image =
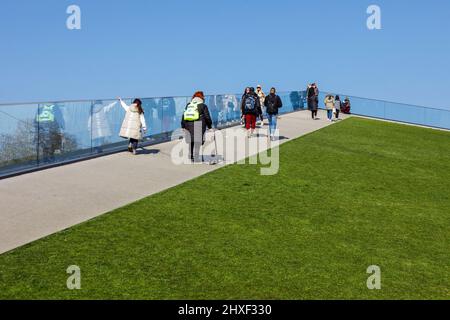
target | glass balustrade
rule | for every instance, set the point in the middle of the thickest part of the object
(36, 135)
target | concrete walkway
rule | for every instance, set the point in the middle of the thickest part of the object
(38, 204)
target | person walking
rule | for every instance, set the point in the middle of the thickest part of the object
(196, 119)
(262, 97)
(246, 92)
(329, 106)
(250, 109)
(337, 106)
(312, 95)
(272, 103)
(133, 124)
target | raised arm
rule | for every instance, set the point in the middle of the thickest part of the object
(109, 106)
(124, 105)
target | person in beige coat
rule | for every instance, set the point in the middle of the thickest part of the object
(329, 105)
(262, 98)
(134, 124)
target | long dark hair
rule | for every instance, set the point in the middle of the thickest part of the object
(138, 104)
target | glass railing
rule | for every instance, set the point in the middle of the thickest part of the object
(38, 135)
(429, 117)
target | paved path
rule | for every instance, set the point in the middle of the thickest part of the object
(38, 204)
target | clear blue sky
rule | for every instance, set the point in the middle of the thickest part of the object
(172, 47)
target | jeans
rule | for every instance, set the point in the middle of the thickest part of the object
(330, 114)
(272, 123)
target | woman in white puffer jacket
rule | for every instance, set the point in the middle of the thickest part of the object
(134, 124)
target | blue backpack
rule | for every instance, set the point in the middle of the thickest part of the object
(250, 103)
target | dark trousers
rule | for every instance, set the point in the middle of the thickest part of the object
(195, 152)
(313, 113)
(337, 113)
(134, 143)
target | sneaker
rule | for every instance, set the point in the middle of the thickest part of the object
(134, 151)
(130, 148)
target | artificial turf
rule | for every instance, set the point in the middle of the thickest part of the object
(355, 194)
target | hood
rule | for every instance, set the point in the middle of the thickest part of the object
(197, 100)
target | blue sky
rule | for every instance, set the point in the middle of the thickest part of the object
(149, 48)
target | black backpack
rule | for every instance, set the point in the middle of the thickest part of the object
(250, 103)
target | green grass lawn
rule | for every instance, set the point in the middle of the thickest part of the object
(354, 194)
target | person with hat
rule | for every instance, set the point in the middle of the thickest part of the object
(262, 97)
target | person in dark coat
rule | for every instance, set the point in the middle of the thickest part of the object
(272, 102)
(246, 91)
(251, 110)
(312, 95)
(196, 119)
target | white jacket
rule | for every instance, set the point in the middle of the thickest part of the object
(133, 122)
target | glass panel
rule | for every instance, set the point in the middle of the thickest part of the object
(286, 98)
(366, 107)
(18, 148)
(63, 131)
(405, 113)
(437, 118)
(104, 125)
(152, 116)
(297, 100)
(230, 109)
(168, 111)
